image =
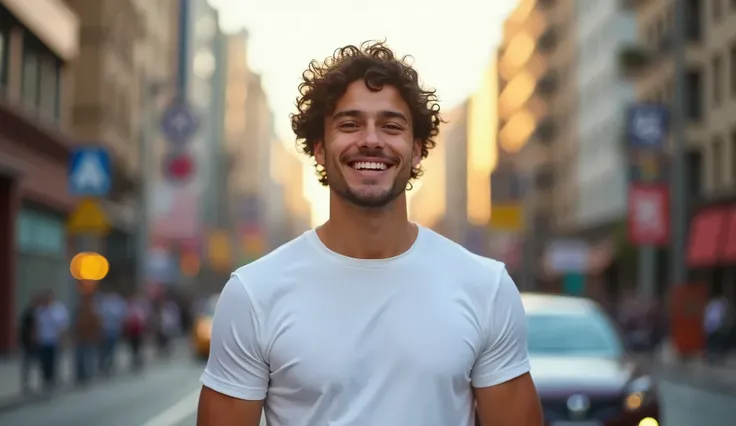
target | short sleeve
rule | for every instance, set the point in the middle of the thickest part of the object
(236, 366)
(505, 354)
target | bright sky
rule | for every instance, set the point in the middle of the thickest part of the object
(452, 42)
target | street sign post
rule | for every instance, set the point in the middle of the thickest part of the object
(179, 167)
(88, 219)
(648, 226)
(90, 176)
(179, 122)
(90, 172)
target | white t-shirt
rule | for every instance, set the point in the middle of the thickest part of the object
(332, 340)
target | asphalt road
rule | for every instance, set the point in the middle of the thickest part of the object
(166, 395)
(685, 405)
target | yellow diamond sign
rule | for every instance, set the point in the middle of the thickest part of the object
(88, 219)
(507, 217)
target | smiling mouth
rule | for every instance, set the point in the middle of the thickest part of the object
(369, 166)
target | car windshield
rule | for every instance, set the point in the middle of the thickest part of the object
(575, 334)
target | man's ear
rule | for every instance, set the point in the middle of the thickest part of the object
(416, 154)
(319, 153)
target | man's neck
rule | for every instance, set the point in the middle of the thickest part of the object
(368, 233)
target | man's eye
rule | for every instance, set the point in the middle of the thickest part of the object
(393, 127)
(348, 125)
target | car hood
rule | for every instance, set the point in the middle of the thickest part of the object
(561, 375)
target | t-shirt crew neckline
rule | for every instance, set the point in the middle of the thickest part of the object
(314, 240)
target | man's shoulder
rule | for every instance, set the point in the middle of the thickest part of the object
(463, 261)
(276, 264)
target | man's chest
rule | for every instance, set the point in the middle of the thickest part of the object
(322, 346)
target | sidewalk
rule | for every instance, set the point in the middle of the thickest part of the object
(697, 371)
(11, 393)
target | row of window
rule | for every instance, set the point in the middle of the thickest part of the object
(41, 86)
(718, 74)
(719, 157)
(5, 26)
(40, 71)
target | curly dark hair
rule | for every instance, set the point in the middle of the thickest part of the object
(325, 82)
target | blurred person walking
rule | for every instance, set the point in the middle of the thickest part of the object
(28, 342)
(169, 324)
(112, 308)
(718, 322)
(135, 328)
(87, 337)
(369, 319)
(52, 325)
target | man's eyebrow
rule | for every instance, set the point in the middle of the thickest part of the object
(353, 113)
(393, 114)
(348, 113)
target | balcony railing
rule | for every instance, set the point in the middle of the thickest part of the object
(546, 130)
(548, 83)
(547, 40)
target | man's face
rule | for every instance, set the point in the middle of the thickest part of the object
(369, 149)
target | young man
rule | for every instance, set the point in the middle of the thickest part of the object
(370, 319)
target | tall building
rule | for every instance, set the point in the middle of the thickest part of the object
(106, 112)
(526, 127)
(293, 210)
(35, 97)
(709, 122)
(603, 28)
(454, 223)
(426, 200)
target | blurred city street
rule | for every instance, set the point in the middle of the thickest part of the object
(146, 153)
(166, 395)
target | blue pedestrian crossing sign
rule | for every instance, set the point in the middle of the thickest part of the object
(179, 122)
(90, 172)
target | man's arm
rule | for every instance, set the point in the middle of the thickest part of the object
(237, 375)
(512, 403)
(217, 409)
(505, 394)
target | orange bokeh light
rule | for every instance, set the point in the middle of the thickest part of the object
(89, 266)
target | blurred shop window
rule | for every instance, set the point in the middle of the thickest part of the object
(40, 88)
(41, 255)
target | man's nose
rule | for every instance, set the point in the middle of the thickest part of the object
(372, 137)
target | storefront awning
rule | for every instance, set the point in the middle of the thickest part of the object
(728, 253)
(706, 231)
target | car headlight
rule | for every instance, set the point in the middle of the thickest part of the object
(638, 392)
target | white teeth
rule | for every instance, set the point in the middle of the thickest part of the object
(365, 165)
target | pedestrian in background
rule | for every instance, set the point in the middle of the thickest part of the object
(87, 336)
(112, 308)
(52, 325)
(135, 328)
(28, 343)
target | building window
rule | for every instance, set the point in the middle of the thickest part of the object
(733, 69)
(694, 95)
(717, 75)
(41, 80)
(694, 168)
(732, 166)
(717, 10)
(717, 152)
(3, 59)
(693, 20)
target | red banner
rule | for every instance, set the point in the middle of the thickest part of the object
(648, 214)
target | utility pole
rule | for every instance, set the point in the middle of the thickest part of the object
(679, 210)
(144, 147)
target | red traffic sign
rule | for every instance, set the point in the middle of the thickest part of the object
(179, 167)
(648, 215)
